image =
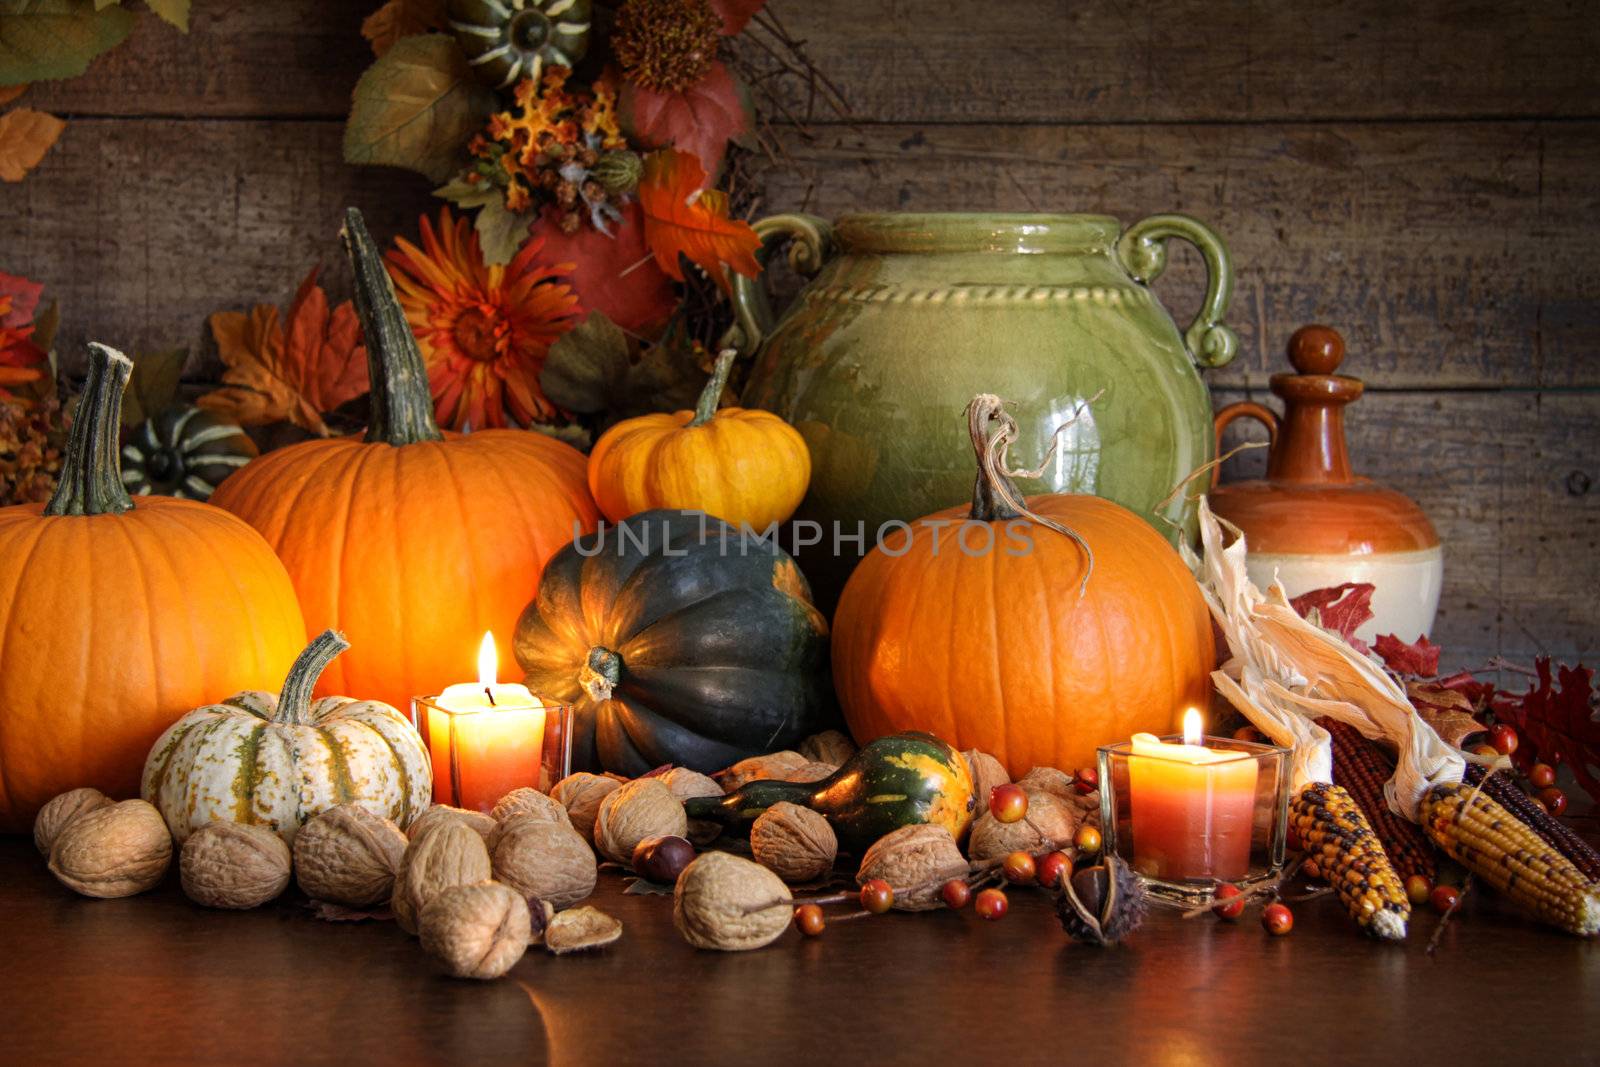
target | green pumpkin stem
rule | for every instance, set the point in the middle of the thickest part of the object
(294, 703)
(91, 472)
(705, 409)
(402, 403)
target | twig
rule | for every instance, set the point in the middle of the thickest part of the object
(1438, 931)
(1274, 889)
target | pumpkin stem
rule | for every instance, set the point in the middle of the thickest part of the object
(294, 703)
(705, 409)
(402, 403)
(91, 473)
(601, 674)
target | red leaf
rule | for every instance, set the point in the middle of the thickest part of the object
(701, 119)
(1420, 658)
(735, 13)
(614, 275)
(24, 299)
(1559, 724)
(1341, 608)
(683, 218)
(1476, 692)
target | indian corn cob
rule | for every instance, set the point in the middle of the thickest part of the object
(1350, 858)
(1361, 767)
(1493, 844)
(1532, 813)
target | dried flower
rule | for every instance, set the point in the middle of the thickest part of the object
(666, 45)
(31, 436)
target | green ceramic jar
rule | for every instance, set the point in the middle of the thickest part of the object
(908, 316)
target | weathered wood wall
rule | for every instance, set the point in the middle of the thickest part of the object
(1421, 176)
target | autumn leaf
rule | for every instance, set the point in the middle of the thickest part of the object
(25, 136)
(1420, 658)
(415, 108)
(153, 384)
(42, 39)
(9, 93)
(172, 12)
(501, 231)
(24, 299)
(681, 218)
(1341, 609)
(615, 273)
(701, 119)
(592, 370)
(1451, 715)
(401, 18)
(736, 13)
(1559, 724)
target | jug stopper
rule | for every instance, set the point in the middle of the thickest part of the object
(1315, 349)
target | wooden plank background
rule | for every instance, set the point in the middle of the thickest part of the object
(1421, 176)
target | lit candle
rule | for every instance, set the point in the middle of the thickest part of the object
(1192, 806)
(486, 738)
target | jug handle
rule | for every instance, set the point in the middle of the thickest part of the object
(810, 248)
(1142, 249)
(1244, 409)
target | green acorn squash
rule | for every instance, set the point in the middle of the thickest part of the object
(679, 640)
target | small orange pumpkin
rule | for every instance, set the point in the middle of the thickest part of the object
(977, 624)
(742, 466)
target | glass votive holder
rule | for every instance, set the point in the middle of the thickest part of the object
(481, 754)
(1187, 821)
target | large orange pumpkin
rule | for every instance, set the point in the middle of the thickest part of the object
(116, 618)
(996, 649)
(411, 542)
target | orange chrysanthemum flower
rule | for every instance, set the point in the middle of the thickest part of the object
(484, 330)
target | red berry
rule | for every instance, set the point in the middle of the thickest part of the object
(991, 904)
(1228, 891)
(1019, 868)
(1277, 919)
(808, 917)
(1008, 803)
(1418, 889)
(1504, 738)
(956, 893)
(1087, 839)
(1553, 799)
(1086, 781)
(1444, 897)
(1052, 865)
(877, 896)
(1542, 776)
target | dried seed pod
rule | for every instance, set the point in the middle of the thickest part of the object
(916, 861)
(579, 929)
(232, 865)
(1102, 905)
(794, 843)
(643, 808)
(544, 859)
(441, 813)
(1049, 824)
(731, 904)
(686, 785)
(987, 772)
(54, 816)
(774, 766)
(476, 931)
(114, 851)
(830, 746)
(347, 855)
(448, 854)
(581, 795)
(811, 772)
(526, 801)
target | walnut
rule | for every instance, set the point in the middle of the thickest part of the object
(580, 928)
(830, 746)
(476, 931)
(232, 865)
(1057, 783)
(811, 772)
(114, 851)
(581, 794)
(54, 816)
(686, 785)
(448, 854)
(440, 813)
(643, 808)
(1049, 825)
(916, 861)
(347, 855)
(774, 766)
(987, 772)
(544, 859)
(727, 903)
(527, 801)
(794, 843)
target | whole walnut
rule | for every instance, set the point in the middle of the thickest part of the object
(686, 785)
(449, 854)
(476, 931)
(731, 904)
(987, 772)
(916, 861)
(1057, 783)
(526, 801)
(643, 808)
(114, 851)
(793, 842)
(232, 865)
(774, 766)
(347, 855)
(544, 859)
(441, 813)
(54, 816)
(830, 746)
(581, 794)
(1049, 824)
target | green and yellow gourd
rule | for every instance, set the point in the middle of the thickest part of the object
(183, 452)
(277, 761)
(892, 782)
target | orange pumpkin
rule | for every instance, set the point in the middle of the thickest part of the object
(986, 642)
(745, 467)
(117, 618)
(411, 542)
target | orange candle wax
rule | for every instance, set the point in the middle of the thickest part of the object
(486, 739)
(1192, 809)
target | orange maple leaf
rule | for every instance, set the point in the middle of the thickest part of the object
(300, 375)
(25, 136)
(681, 218)
(401, 18)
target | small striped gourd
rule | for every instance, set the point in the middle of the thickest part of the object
(183, 452)
(277, 761)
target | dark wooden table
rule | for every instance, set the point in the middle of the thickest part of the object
(155, 979)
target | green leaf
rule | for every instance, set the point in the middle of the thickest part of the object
(591, 370)
(415, 108)
(175, 12)
(45, 324)
(153, 385)
(43, 39)
(465, 194)
(501, 231)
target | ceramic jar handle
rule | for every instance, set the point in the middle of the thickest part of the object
(1244, 409)
(811, 247)
(1142, 248)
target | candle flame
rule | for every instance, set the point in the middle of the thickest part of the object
(1193, 734)
(488, 661)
